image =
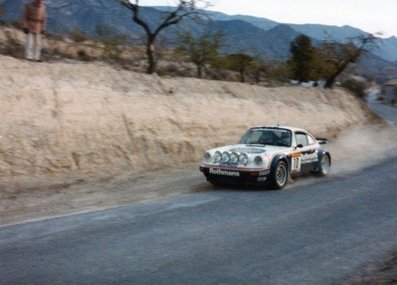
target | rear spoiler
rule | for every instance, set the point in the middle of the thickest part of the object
(322, 140)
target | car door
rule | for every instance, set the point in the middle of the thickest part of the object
(307, 147)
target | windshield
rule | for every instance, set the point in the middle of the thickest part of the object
(277, 137)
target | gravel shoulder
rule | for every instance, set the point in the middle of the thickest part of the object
(28, 199)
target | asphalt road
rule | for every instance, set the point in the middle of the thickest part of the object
(312, 234)
(387, 112)
(321, 233)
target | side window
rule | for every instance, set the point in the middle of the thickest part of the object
(311, 140)
(301, 139)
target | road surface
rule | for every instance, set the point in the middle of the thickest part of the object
(313, 234)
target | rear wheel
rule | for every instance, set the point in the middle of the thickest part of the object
(280, 175)
(325, 165)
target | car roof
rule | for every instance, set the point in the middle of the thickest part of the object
(293, 129)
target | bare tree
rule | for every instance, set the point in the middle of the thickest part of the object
(185, 9)
(338, 56)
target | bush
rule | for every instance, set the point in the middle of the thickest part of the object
(82, 55)
(357, 87)
(17, 25)
(171, 69)
(113, 48)
(78, 35)
(12, 47)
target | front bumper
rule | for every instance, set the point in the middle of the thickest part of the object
(237, 176)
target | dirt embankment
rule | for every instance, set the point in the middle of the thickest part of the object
(91, 118)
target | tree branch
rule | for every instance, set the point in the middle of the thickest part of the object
(135, 11)
(174, 17)
(185, 8)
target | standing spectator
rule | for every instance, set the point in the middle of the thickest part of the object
(34, 21)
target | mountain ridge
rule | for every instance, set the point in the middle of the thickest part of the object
(68, 15)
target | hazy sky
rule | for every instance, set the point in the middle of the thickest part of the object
(369, 15)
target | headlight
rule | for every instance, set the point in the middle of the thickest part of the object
(217, 157)
(258, 160)
(234, 157)
(207, 157)
(243, 159)
(225, 156)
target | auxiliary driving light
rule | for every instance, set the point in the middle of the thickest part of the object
(217, 157)
(234, 157)
(243, 159)
(225, 157)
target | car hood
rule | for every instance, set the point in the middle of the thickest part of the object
(251, 149)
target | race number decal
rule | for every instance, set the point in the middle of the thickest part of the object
(296, 162)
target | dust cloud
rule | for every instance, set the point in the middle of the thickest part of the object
(362, 146)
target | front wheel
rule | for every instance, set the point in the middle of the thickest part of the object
(280, 175)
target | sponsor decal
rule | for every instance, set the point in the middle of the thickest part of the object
(309, 158)
(296, 164)
(217, 171)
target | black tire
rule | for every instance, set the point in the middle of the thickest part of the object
(325, 165)
(280, 175)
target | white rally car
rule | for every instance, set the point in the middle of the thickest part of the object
(267, 155)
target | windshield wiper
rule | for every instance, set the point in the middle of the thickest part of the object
(255, 144)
